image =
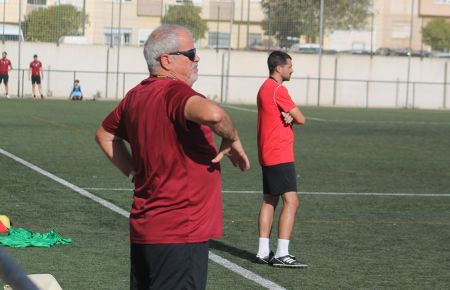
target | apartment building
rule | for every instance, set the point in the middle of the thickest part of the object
(130, 21)
(236, 23)
(133, 20)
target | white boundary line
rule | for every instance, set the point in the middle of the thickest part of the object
(244, 272)
(219, 260)
(108, 189)
(352, 121)
(75, 188)
(307, 193)
(352, 193)
(255, 111)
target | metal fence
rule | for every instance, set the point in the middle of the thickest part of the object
(401, 28)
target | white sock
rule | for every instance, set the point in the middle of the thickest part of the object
(264, 248)
(282, 248)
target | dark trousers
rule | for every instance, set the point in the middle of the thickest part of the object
(169, 266)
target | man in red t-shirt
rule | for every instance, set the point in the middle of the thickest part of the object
(37, 74)
(173, 164)
(5, 67)
(277, 113)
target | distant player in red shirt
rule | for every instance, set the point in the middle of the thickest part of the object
(174, 165)
(5, 67)
(277, 113)
(37, 74)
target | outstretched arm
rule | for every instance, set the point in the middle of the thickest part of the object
(206, 112)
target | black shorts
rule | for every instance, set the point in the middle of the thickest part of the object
(279, 179)
(4, 78)
(36, 80)
(169, 266)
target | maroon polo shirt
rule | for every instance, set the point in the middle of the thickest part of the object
(35, 66)
(177, 195)
(4, 66)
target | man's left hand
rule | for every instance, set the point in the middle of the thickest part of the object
(235, 152)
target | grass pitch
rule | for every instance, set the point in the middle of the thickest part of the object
(381, 220)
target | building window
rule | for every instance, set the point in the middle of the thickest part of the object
(113, 37)
(143, 35)
(220, 9)
(195, 2)
(401, 30)
(37, 2)
(442, 1)
(77, 3)
(254, 39)
(219, 40)
(149, 7)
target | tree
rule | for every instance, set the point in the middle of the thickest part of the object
(189, 16)
(291, 19)
(49, 24)
(437, 34)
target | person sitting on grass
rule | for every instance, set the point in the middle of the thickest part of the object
(76, 94)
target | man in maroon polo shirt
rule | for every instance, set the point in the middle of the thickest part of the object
(37, 74)
(173, 163)
(5, 67)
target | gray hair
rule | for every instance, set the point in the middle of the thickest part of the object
(163, 39)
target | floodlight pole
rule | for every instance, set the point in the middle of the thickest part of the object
(371, 28)
(84, 18)
(19, 47)
(107, 50)
(4, 15)
(229, 51)
(239, 25)
(409, 54)
(119, 32)
(248, 22)
(320, 52)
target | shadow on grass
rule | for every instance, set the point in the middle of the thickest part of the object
(239, 253)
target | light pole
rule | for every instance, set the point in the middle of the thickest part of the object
(4, 14)
(408, 75)
(19, 46)
(320, 53)
(118, 48)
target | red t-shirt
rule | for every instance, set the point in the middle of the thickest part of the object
(275, 138)
(177, 196)
(4, 65)
(35, 66)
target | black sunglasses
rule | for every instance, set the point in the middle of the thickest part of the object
(191, 54)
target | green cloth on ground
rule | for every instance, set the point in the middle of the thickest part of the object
(19, 238)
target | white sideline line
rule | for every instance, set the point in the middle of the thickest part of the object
(244, 272)
(387, 122)
(240, 109)
(108, 189)
(255, 111)
(307, 193)
(219, 260)
(75, 188)
(353, 121)
(352, 193)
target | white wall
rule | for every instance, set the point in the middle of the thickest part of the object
(347, 80)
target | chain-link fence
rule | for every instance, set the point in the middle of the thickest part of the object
(324, 34)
